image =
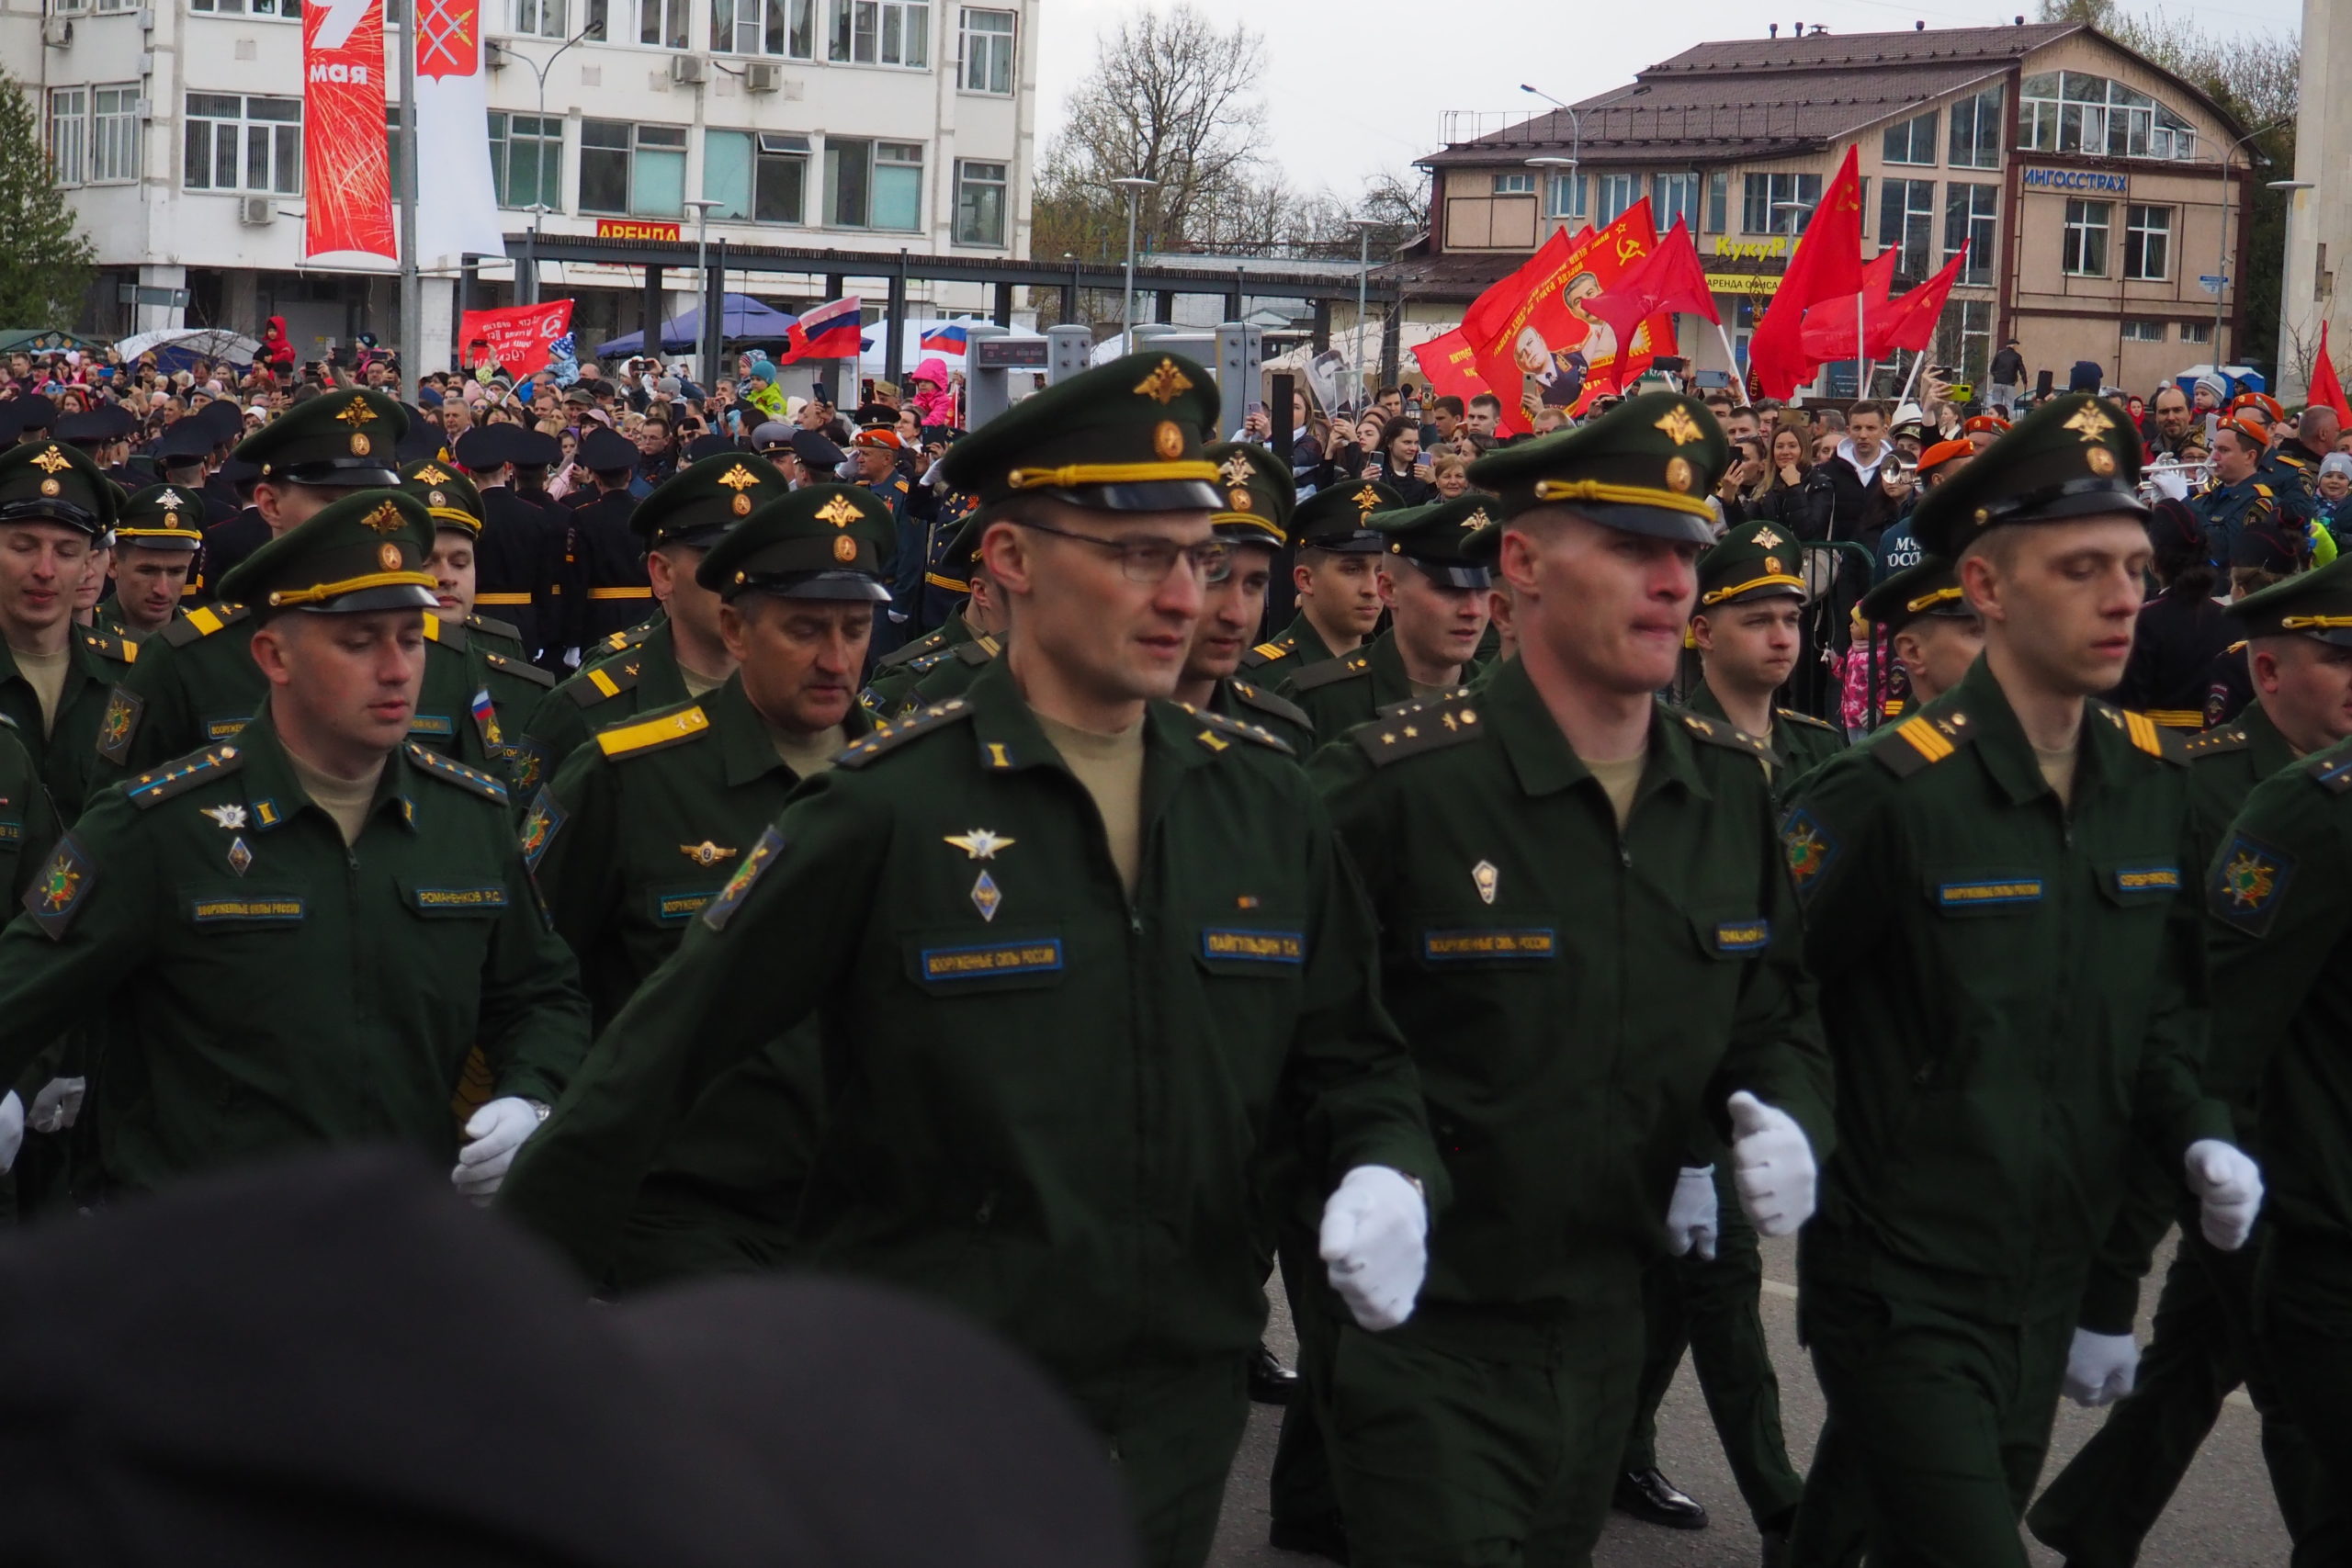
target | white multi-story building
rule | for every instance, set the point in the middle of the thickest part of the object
(861, 127)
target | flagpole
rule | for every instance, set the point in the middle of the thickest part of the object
(1738, 376)
(1912, 379)
(1862, 363)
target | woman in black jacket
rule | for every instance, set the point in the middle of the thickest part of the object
(1400, 466)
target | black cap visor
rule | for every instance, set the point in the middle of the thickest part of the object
(393, 596)
(337, 473)
(1150, 495)
(44, 509)
(835, 585)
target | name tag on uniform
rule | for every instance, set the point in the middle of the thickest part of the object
(457, 900)
(979, 963)
(1539, 942)
(1255, 947)
(1988, 894)
(1743, 936)
(674, 909)
(2147, 879)
(225, 728)
(221, 911)
(434, 724)
(11, 833)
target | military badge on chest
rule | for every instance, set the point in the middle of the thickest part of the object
(231, 818)
(982, 843)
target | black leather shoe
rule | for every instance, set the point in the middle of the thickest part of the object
(1271, 1383)
(1652, 1499)
(1776, 1549)
(1322, 1535)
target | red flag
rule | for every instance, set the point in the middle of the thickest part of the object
(1910, 322)
(346, 162)
(1450, 365)
(829, 332)
(1830, 325)
(518, 337)
(1535, 322)
(1827, 266)
(2325, 387)
(1669, 280)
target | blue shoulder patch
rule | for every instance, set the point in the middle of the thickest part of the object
(1810, 848)
(540, 825)
(2250, 880)
(57, 894)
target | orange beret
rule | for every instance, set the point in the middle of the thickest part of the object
(1986, 421)
(1944, 452)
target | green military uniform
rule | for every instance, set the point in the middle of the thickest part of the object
(1045, 1095)
(2012, 987)
(42, 481)
(637, 835)
(949, 657)
(1335, 519)
(1488, 1428)
(160, 517)
(2102, 1506)
(692, 507)
(1753, 562)
(217, 881)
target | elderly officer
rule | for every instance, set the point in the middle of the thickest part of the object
(1748, 629)
(1998, 896)
(1555, 845)
(368, 888)
(156, 538)
(54, 675)
(1337, 576)
(1089, 939)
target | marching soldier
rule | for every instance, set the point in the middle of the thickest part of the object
(1748, 629)
(1259, 497)
(1931, 629)
(521, 554)
(618, 594)
(156, 537)
(1998, 908)
(55, 677)
(943, 661)
(1435, 589)
(1337, 577)
(1087, 875)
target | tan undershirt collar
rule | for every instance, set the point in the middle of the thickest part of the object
(1111, 767)
(345, 800)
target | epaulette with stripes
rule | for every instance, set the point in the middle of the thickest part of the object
(1218, 727)
(122, 651)
(1792, 716)
(2331, 772)
(1265, 701)
(926, 644)
(655, 731)
(184, 774)
(489, 627)
(622, 640)
(1267, 652)
(2213, 742)
(977, 651)
(1347, 667)
(890, 736)
(1730, 737)
(201, 622)
(1920, 742)
(427, 761)
(2145, 734)
(521, 668)
(2177, 718)
(593, 686)
(447, 634)
(1447, 722)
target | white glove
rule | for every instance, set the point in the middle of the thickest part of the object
(497, 1130)
(12, 1130)
(1374, 1241)
(57, 1104)
(1690, 1213)
(2169, 483)
(2229, 1192)
(2099, 1367)
(1772, 1165)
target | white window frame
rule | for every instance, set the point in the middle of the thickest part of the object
(751, 27)
(1675, 196)
(2142, 233)
(1980, 146)
(67, 128)
(2139, 328)
(1789, 202)
(2197, 332)
(983, 54)
(502, 143)
(874, 163)
(2089, 234)
(1917, 219)
(1002, 181)
(1911, 136)
(1979, 226)
(765, 146)
(1515, 181)
(1564, 195)
(909, 21)
(671, 22)
(285, 151)
(1612, 196)
(115, 135)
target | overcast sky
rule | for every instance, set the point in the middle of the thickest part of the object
(1356, 85)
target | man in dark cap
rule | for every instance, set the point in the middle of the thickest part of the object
(1930, 628)
(1337, 577)
(184, 458)
(226, 544)
(2003, 888)
(1557, 824)
(521, 558)
(637, 832)
(1436, 595)
(157, 537)
(946, 660)
(1064, 858)
(102, 432)
(615, 589)
(368, 886)
(1748, 629)
(1258, 498)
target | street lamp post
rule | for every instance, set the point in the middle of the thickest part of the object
(1363, 228)
(1556, 167)
(1135, 186)
(2222, 267)
(1576, 126)
(528, 294)
(709, 341)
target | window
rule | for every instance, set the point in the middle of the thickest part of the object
(1913, 142)
(1907, 221)
(69, 109)
(2197, 332)
(1515, 185)
(980, 203)
(881, 32)
(2143, 332)
(760, 175)
(556, 19)
(1718, 202)
(1968, 218)
(1976, 132)
(2084, 255)
(786, 27)
(1778, 204)
(873, 185)
(1673, 197)
(243, 143)
(290, 8)
(663, 23)
(1612, 194)
(392, 148)
(639, 170)
(2147, 242)
(1564, 194)
(114, 133)
(526, 159)
(2070, 111)
(1964, 338)
(104, 7)
(985, 51)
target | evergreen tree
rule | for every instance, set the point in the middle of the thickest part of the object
(45, 263)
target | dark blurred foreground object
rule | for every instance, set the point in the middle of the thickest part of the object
(333, 1360)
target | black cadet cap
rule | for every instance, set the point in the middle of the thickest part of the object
(533, 448)
(700, 501)
(2266, 547)
(107, 421)
(1259, 494)
(1931, 587)
(1756, 560)
(33, 411)
(1646, 466)
(48, 481)
(1441, 537)
(449, 498)
(483, 447)
(224, 420)
(2315, 604)
(186, 443)
(162, 517)
(709, 444)
(816, 451)
(346, 439)
(1338, 518)
(1121, 437)
(817, 542)
(2072, 456)
(360, 552)
(606, 451)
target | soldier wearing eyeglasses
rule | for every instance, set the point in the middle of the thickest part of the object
(1117, 935)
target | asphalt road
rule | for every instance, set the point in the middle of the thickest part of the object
(2222, 1517)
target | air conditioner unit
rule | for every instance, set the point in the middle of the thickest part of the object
(256, 211)
(57, 31)
(763, 76)
(498, 53)
(689, 70)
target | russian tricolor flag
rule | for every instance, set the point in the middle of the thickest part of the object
(948, 338)
(829, 332)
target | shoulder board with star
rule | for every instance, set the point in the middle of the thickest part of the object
(1347, 667)
(889, 735)
(2145, 734)
(927, 663)
(1218, 727)
(446, 633)
(1267, 653)
(1920, 742)
(424, 760)
(201, 622)
(490, 627)
(2329, 771)
(1265, 701)
(183, 773)
(521, 668)
(1414, 704)
(655, 731)
(930, 642)
(1731, 738)
(2214, 742)
(121, 650)
(1792, 716)
(1450, 721)
(593, 686)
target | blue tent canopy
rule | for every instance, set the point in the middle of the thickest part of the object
(745, 319)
